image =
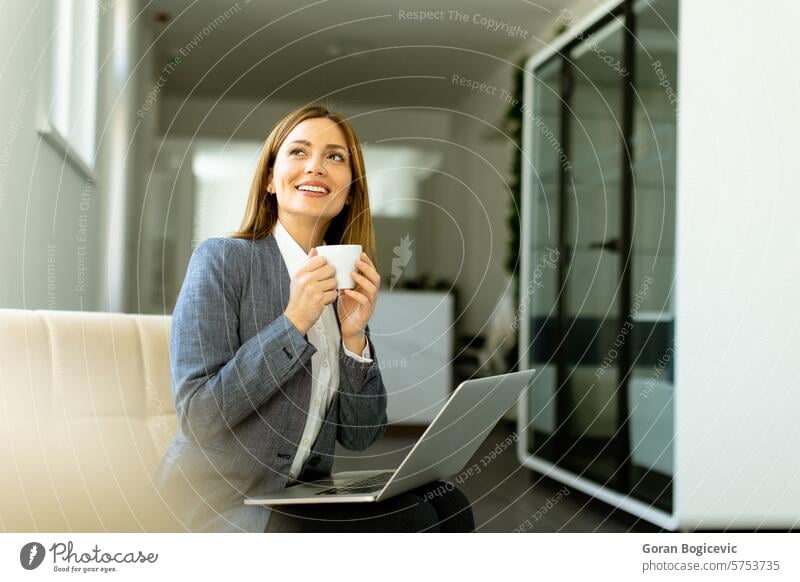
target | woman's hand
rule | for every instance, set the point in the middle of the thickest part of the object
(357, 305)
(313, 288)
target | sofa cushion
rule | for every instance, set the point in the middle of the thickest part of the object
(85, 414)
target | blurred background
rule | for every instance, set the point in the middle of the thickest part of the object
(541, 198)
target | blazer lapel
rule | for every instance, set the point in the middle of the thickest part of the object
(279, 266)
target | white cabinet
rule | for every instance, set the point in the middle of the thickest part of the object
(663, 328)
(412, 332)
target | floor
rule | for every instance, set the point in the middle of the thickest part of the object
(506, 497)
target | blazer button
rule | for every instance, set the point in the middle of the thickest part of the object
(286, 456)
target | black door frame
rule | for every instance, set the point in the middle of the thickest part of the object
(621, 440)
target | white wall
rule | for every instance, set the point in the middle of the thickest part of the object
(164, 233)
(484, 162)
(238, 119)
(56, 226)
(40, 194)
(738, 278)
(124, 145)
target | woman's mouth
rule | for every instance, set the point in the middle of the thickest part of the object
(313, 190)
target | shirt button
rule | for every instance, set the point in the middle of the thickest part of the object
(325, 364)
(316, 402)
(305, 441)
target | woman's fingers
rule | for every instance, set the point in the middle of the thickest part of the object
(314, 264)
(324, 272)
(329, 297)
(360, 297)
(365, 283)
(328, 284)
(365, 266)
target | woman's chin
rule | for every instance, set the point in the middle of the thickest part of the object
(317, 212)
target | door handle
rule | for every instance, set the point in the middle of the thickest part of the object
(612, 245)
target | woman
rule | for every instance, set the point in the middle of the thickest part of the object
(270, 366)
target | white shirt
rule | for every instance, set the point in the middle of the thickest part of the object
(326, 337)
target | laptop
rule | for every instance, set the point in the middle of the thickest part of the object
(443, 450)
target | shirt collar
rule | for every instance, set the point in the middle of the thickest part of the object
(293, 254)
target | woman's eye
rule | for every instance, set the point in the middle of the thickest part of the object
(336, 156)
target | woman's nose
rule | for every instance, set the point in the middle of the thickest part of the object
(315, 165)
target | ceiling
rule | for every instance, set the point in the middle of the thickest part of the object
(354, 51)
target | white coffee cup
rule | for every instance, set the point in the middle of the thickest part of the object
(343, 258)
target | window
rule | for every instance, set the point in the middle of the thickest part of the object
(72, 117)
(394, 175)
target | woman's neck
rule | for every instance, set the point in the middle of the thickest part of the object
(306, 231)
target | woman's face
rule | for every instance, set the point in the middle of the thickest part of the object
(311, 175)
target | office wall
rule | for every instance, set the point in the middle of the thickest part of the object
(126, 80)
(165, 223)
(58, 226)
(45, 203)
(240, 119)
(738, 277)
(483, 161)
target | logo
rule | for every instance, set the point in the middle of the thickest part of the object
(31, 555)
(402, 255)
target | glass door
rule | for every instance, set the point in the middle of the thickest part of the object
(540, 296)
(591, 401)
(653, 143)
(601, 256)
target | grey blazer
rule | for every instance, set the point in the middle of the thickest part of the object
(241, 377)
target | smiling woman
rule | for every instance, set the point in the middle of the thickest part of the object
(305, 142)
(271, 365)
(313, 178)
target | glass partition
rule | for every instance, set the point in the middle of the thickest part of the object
(650, 389)
(589, 403)
(601, 258)
(540, 295)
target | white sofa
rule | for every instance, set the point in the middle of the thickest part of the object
(85, 413)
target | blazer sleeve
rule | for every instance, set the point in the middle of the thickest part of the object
(217, 381)
(362, 400)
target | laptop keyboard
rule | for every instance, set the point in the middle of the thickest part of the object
(368, 485)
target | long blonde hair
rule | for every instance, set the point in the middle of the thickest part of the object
(353, 225)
